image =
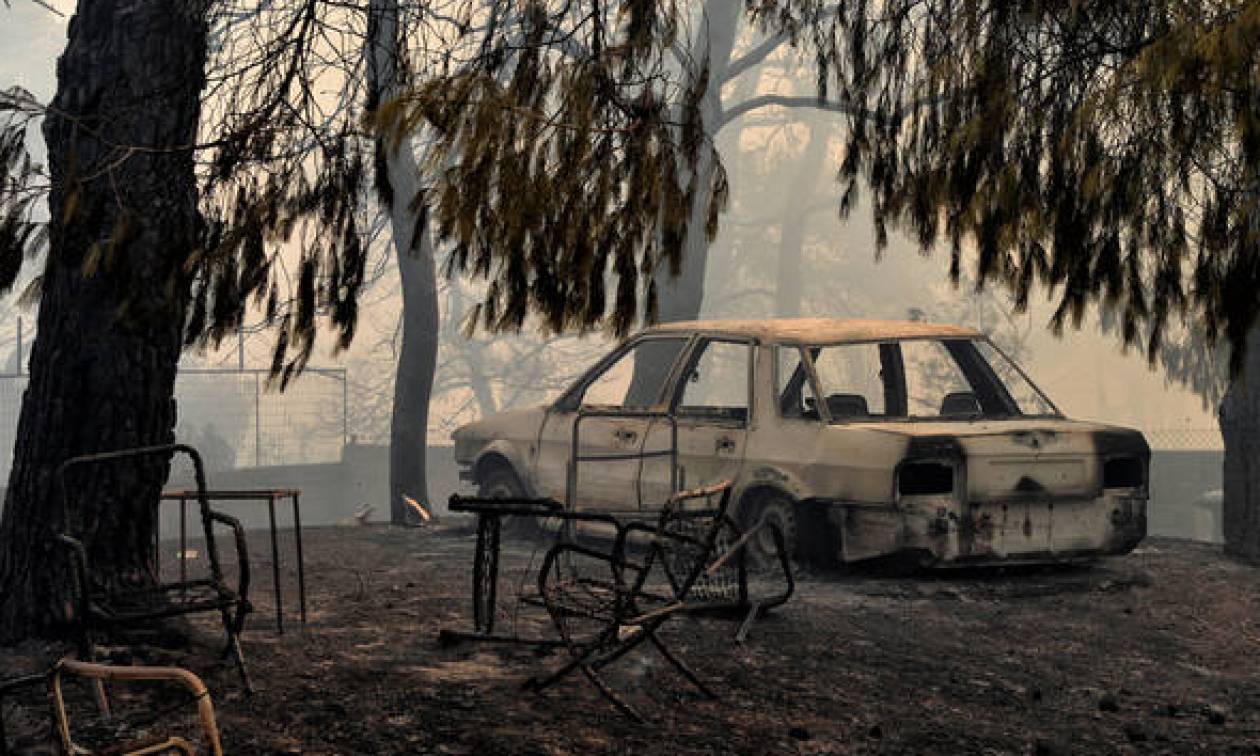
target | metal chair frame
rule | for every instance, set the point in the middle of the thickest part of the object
(630, 613)
(96, 610)
(98, 674)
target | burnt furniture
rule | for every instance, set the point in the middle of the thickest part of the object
(97, 675)
(97, 610)
(270, 496)
(607, 598)
(692, 560)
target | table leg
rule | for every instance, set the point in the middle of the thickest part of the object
(157, 542)
(301, 568)
(275, 565)
(183, 540)
(485, 573)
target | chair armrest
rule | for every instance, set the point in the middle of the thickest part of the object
(242, 550)
(79, 571)
(105, 672)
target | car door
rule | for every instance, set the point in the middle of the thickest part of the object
(712, 403)
(610, 400)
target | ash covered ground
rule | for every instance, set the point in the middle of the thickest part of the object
(1154, 652)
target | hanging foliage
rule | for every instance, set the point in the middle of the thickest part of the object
(1106, 151)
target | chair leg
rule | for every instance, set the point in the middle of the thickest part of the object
(232, 626)
(240, 665)
(681, 666)
(87, 653)
(580, 656)
(608, 693)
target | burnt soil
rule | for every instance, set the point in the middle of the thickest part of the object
(1153, 652)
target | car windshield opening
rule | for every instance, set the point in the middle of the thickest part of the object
(924, 379)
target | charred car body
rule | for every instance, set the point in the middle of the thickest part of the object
(861, 439)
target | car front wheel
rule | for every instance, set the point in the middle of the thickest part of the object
(499, 482)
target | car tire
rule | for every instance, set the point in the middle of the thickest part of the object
(500, 482)
(779, 510)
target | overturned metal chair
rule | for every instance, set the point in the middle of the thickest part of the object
(692, 560)
(96, 610)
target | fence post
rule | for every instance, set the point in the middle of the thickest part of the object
(257, 422)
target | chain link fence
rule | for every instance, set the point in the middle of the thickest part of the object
(233, 419)
(1185, 439)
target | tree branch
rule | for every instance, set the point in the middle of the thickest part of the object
(786, 101)
(753, 57)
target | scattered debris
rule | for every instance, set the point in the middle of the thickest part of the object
(358, 519)
(1216, 715)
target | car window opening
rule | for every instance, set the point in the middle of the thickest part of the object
(917, 379)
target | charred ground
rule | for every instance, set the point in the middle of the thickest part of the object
(1150, 652)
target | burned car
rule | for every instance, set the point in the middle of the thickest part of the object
(860, 439)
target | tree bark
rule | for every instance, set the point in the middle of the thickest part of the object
(124, 221)
(417, 271)
(789, 288)
(1240, 428)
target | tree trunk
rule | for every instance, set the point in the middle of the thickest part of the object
(788, 283)
(417, 272)
(1240, 428)
(115, 291)
(681, 297)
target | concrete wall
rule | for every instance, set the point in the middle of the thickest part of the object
(1178, 481)
(330, 492)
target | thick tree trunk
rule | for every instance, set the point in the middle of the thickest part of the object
(413, 379)
(1240, 428)
(124, 222)
(417, 272)
(680, 297)
(789, 289)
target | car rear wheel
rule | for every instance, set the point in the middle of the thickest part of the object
(775, 509)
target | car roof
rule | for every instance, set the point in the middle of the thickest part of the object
(819, 330)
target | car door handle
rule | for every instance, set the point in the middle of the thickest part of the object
(725, 444)
(627, 436)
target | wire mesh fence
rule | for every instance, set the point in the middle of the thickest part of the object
(1185, 439)
(233, 419)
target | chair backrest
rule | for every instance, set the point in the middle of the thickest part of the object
(167, 450)
(691, 536)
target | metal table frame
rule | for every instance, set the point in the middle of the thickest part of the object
(490, 514)
(269, 495)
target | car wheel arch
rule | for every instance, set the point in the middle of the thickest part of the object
(493, 459)
(759, 491)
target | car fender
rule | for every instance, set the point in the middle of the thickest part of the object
(767, 476)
